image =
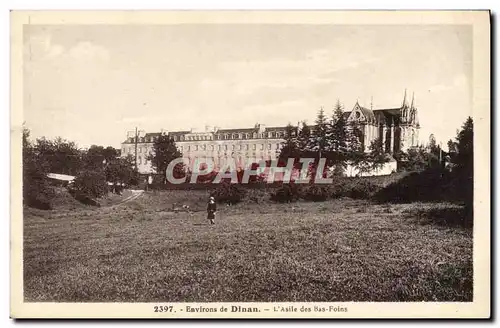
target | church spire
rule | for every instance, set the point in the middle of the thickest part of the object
(404, 100)
(371, 103)
(412, 99)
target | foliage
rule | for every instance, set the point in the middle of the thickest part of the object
(315, 193)
(286, 193)
(59, 155)
(97, 156)
(304, 140)
(428, 185)
(289, 148)
(319, 137)
(338, 137)
(121, 170)
(374, 160)
(165, 151)
(464, 161)
(415, 159)
(230, 193)
(36, 188)
(90, 184)
(361, 189)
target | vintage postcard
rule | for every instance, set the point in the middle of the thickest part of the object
(250, 164)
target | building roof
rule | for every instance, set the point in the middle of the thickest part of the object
(236, 130)
(178, 132)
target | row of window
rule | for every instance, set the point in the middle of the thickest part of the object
(227, 147)
(141, 150)
(225, 136)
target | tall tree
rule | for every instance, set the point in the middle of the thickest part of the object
(289, 147)
(337, 135)
(304, 139)
(464, 163)
(373, 160)
(465, 148)
(319, 139)
(96, 157)
(59, 155)
(164, 151)
(121, 170)
(434, 150)
(36, 189)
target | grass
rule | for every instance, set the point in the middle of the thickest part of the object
(339, 250)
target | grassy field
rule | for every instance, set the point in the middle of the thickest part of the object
(340, 250)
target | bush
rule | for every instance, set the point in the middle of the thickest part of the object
(361, 189)
(37, 191)
(230, 193)
(315, 193)
(90, 184)
(429, 185)
(339, 188)
(285, 194)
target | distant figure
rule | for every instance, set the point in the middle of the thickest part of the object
(211, 209)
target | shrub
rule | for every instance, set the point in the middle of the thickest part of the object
(339, 188)
(315, 193)
(90, 184)
(285, 194)
(429, 185)
(37, 191)
(230, 193)
(361, 189)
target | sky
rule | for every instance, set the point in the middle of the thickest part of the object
(93, 83)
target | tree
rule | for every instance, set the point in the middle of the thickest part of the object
(433, 156)
(415, 159)
(374, 160)
(464, 162)
(59, 155)
(121, 170)
(304, 140)
(319, 140)
(465, 148)
(165, 151)
(337, 136)
(97, 156)
(289, 147)
(36, 189)
(90, 184)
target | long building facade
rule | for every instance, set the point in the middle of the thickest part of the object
(397, 127)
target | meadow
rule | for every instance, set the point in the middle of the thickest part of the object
(338, 250)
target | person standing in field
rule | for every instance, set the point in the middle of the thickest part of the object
(211, 210)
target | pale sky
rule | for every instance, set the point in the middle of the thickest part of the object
(91, 84)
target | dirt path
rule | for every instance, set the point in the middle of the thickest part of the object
(135, 194)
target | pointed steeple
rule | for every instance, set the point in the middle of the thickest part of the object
(371, 103)
(404, 100)
(412, 99)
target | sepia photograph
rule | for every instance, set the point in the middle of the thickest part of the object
(250, 164)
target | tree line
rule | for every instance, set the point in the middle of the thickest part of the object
(339, 143)
(93, 168)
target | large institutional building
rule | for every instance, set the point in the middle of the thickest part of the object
(397, 127)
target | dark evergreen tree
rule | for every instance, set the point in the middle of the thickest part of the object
(289, 148)
(165, 151)
(319, 139)
(337, 135)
